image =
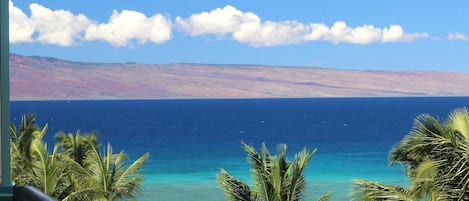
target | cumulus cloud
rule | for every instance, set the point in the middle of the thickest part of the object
(130, 25)
(340, 32)
(271, 33)
(244, 27)
(457, 36)
(61, 27)
(127, 27)
(219, 21)
(247, 27)
(21, 29)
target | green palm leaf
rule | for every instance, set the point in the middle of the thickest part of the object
(260, 167)
(46, 169)
(375, 191)
(129, 180)
(325, 197)
(296, 183)
(112, 176)
(235, 190)
(436, 157)
(275, 177)
(76, 146)
(76, 169)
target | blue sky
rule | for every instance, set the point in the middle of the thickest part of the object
(368, 35)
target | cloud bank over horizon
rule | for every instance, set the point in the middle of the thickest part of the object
(129, 28)
(247, 27)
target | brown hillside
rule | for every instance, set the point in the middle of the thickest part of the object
(39, 78)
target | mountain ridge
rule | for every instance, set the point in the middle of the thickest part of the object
(48, 78)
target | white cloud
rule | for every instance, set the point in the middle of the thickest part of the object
(271, 33)
(247, 27)
(244, 27)
(129, 25)
(393, 33)
(340, 32)
(457, 36)
(21, 29)
(59, 27)
(318, 31)
(219, 21)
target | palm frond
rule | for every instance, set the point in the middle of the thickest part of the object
(235, 190)
(39, 134)
(325, 197)
(27, 129)
(76, 145)
(424, 184)
(88, 193)
(374, 191)
(13, 133)
(46, 168)
(459, 121)
(297, 182)
(261, 174)
(127, 177)
(98, 169)
(426, 134)
(275, 177)
(111, 175)
(279, 171)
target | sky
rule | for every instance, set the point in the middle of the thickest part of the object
(393, 35)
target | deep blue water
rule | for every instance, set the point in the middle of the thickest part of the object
(190, 140)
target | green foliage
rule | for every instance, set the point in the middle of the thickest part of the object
(275, 177)
(436, 157)
(76, 146)
(76, 169)
(21, 155)
(112, 177)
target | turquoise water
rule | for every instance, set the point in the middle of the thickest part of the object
(190, 140)
(326, 173)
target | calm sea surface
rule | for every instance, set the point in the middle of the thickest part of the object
(190, 140)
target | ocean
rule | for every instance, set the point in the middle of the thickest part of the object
(190, 140)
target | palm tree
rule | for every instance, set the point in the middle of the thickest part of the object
(423, 187)
(436, 157)
(47, 170)
(76, 146)
(111, 177)
(20, 145)
(275, 177)
(104, 177)
(75, 170)
(31, 162)
(74, 149)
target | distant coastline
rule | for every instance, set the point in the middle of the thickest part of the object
(228, 99)
(44, 78)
